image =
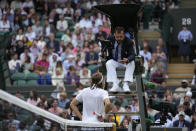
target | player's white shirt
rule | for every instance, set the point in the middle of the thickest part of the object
(93, 101)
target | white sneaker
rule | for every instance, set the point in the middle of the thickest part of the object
(114, 88)
(126, 87)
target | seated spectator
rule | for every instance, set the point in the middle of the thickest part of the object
(194, 78)
(146, 54)
(85, 22)
(12, 123)
(41, 44)
(181, 122)
(66, 37)
(19, 35)
(85, 47)
(62, 24)
(160, 56)
(30, 34)
(63, 101)
(43, 64)
(26, 64)
(66, 52)
(52, 43)
(68, 12)
(90, 4)
(69, 62)
(187, 98)
(37, 28)
(55, 109)
(193, 122)
(180, 92)
(58, 74)
(48, 28)
(181, 109)
(17, 24)
(33, 98)
(14, 64)
(71, 77)
(85, 75)
(56, 93)
(91, 59)
(15, 4)
(52, 63)
(26, 41)
(34, 49)
(44, 78)
(77, 37)
(4, 24)
(187, 109)
(158, 76)
(146, 44)
(124, 124)
(26, 53)
(38, 124)
(100, 34)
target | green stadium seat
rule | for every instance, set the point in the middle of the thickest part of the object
(31, 79)
(19, 79)
(59, 34)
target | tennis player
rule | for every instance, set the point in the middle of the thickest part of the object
(95, 100)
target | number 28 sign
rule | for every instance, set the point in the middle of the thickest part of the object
(186, 21)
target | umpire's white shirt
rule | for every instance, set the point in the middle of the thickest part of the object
(93, 101)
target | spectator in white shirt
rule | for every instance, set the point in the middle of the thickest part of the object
(14, 64)
(16, 4)
(26, 52)
(85, 22)
(146, 54)
(68, 12)
(61, 24)
(30, 34)
(4, 24)
(41, 44)
(38, 29)
(20, 35)
(28, 4)
(90, 4)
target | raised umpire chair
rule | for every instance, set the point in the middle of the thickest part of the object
(126, 15)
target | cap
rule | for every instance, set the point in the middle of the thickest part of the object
(185, 81)
(181, 113)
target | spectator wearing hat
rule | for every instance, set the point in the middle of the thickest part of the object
(61, 24)
(181, 122)
(180, 92)
(184, 37)
(63, 100)
(69, 62)
(180, 108)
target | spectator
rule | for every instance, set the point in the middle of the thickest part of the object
(33, 98)
(19, 35)
(58, 74)
(68, 12)
(55, 109)
(69, 62)
(124, 124)
(62, 24)
(181, 91)
(181, 122)
(26, 53)
(85, 22)
(48, 28)
(63, 101)
(14, 64)
(16, 4)
(30, 34)
(77, 38)
(43, 64)
(146, 54)
(26, 64)
(34, 49)
(90, 4)
(65, 53)
(71, 77)
(85, 75)
(17, 24)
(66, 37)
(37, 28)
(12, 123)
(193, 122)
(53, 44)
(52, 63)
(4, 24)
(158, 76)
(91, 59)
(41, 44)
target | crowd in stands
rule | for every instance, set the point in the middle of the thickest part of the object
(56, 43)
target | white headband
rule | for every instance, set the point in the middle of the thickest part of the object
(94, 85)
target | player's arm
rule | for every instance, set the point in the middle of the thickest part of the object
(107, 105)
(74, 107)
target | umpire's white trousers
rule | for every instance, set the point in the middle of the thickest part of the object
(111, 66)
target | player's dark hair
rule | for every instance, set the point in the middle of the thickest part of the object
(97, 80)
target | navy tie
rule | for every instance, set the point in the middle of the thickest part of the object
(116, 53)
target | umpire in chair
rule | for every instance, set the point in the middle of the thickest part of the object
(121, 54)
